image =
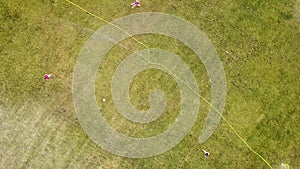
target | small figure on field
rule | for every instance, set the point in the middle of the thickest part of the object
(135, 4)
(206, 153)
(47, 76)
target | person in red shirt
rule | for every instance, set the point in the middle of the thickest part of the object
(135, 4)
(47, 76)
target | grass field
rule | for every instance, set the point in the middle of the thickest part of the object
(257, 41)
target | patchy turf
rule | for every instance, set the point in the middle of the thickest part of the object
(258, 42)
(297, 11)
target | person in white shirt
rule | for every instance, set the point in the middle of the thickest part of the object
(206, 153)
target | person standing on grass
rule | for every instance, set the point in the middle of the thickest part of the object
(135, 4)
(206, 153)
(47, 76)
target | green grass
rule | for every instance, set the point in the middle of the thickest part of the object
(39, 128)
